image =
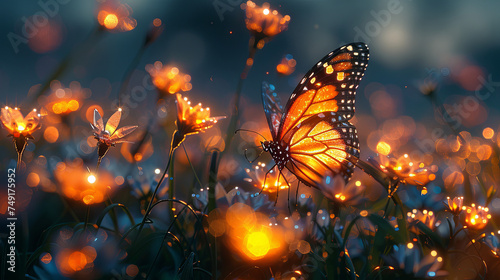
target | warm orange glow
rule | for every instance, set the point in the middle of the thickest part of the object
(250, 234)
(488, 133)
(455, 205)
(157, 22)
(46, 258)
(260, 20)
(77, 261)
(191, 119)
(33, 179)
(272, 184)
(17, 125)
(51, 134)
(476, 218)
(168, 79)
(424, 216)
(311, 103)
(75, 182)
(258, 244)
(69, 261)
(286, 66)
(115, 16)
(110, 21)
(383, 148)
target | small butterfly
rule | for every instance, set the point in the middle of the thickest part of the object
(312, 135)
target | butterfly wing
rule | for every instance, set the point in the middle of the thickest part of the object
(330, 86)
(272, 108)
(325, 143)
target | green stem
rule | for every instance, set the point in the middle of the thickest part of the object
(86, 219)
(192, 167)
(154, 194)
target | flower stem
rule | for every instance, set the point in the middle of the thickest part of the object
(192, 167)
(86, 218)
(156, 190)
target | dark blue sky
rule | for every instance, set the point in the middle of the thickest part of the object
(407, 38)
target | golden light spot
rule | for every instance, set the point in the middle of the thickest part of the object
(20, 127)
(111, 21)
(265, 11)
(88, 199)
(358, 183)
(363, 213)
(33, 179)
(258, 244)
(410, 245)
(383, 148)
(488, 133)
(439, 259)
(91, 179)
(73, 105)
(51, 134)
(77, 261)
(434, 253)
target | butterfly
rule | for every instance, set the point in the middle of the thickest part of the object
(312, 135)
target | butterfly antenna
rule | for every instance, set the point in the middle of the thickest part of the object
(246, 130)
(251, 161)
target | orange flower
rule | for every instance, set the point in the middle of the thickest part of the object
(168, 79)
(270, 184)
(115, 16)
(476, 218)
(336, 189)
(455, 205)
(263, 22)
(19, 127)
(406, 171)
(108, 135)
(425, 216)
(16, 125)
(287, 65)
(191, 120)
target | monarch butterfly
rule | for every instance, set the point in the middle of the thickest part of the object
(312, 136)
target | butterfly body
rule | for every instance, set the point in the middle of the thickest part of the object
(279, 151)
(312, 135)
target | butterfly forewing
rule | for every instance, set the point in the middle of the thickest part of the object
(322, 144)
(272, 108)
(330, 86)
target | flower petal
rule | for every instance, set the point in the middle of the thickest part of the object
(98, 123)
(32, 120)
(113, 122)
(122, 132)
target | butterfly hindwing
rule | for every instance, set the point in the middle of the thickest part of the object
(329, 86)
(325, 143)
(272, 108)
